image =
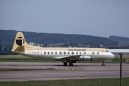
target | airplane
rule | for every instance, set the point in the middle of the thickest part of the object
(68, 55)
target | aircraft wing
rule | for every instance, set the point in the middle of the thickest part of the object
(75, 57)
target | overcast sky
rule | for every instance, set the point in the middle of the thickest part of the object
(90, 17)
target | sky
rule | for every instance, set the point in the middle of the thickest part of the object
(90, 17)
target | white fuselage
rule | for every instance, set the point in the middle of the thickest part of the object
(67, 55)
(58, 53)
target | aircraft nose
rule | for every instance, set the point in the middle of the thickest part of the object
(112, 55)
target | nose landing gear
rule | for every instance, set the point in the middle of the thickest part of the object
(103, 63)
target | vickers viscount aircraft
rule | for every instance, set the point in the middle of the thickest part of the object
(67, 55)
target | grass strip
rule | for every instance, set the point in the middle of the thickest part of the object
(79, 82)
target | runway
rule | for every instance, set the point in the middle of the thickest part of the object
(25, 71)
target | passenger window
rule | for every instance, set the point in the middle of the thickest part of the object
(60, 52)
(93, 53)
(47, 52)
(97, 53)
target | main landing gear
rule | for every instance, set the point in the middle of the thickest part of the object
(65, 63)
(103, 63)
(68, 63)
(71, 63)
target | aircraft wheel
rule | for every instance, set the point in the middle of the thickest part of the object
(70, 63)
(65, 63)
(103, 63)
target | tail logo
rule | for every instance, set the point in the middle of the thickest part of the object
(19, 43)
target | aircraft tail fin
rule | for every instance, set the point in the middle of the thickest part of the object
(19, 43)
